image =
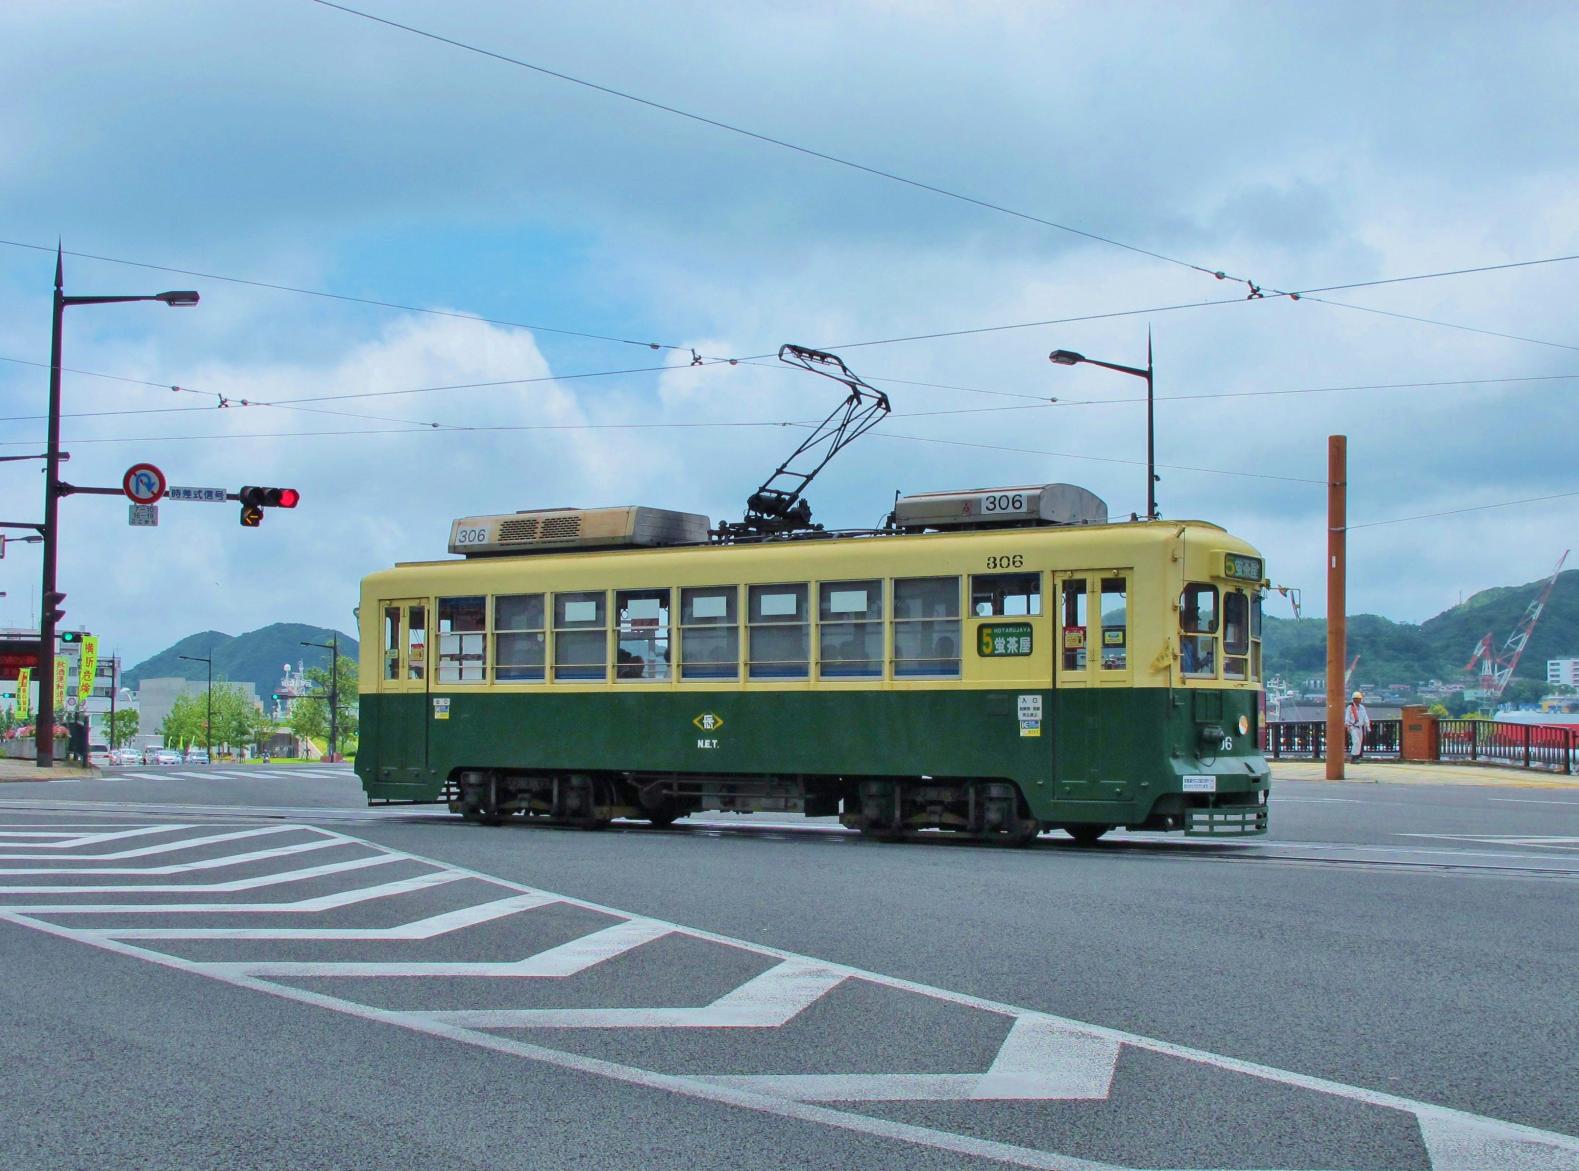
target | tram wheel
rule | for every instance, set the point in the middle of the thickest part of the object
(662, 819)
(1085, 833)
(485, 809)
(1024, 833)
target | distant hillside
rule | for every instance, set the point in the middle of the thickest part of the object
(256, 657)
(1438, 648)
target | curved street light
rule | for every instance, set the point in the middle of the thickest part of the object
(1070, 358)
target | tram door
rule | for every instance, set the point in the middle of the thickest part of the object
(1094, 677)
(403, 690)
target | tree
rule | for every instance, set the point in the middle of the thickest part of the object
(123, 725)
(184, 723)
(237, 719)
(310, 714)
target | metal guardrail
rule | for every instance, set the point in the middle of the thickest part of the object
(1479, 741)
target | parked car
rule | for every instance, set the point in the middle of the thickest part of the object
(122, 757)
(99, 755)
(167, 756)
(150, 755)
(197, 756)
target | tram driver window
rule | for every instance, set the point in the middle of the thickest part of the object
(1198, 630)
(581, 647)
(643, 651)
(391, 642)
(462, 639)
(1002, 595)
(779, 635)
(1236, 635)
(518, 638)
(416, 642)
(850, 629)
(1115, 624)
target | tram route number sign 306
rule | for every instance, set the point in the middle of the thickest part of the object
(1002, 639)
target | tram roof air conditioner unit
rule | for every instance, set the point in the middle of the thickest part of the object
(558, 530)
(991, 508)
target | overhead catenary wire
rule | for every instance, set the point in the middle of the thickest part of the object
(1398, 520)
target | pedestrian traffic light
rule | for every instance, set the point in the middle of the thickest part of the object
(255, 499)
(52, 610)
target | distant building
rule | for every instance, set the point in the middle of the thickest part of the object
(1563, 671)
(157, 696)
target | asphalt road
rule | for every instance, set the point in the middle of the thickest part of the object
(251, 970)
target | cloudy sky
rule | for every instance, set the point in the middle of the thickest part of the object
(543, 235)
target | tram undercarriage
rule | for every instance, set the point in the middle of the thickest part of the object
(885, 808)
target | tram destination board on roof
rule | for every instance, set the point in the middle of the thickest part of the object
(995, 670)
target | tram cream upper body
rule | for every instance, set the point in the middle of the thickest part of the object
(1153, 560)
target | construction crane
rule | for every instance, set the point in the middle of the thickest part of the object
(1497, 669)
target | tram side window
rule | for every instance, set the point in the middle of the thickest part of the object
(926, 626)
(1198, 629)
(1000, 595)
(581, 644)
(463, 639)
(1115, 624)
(518, 637)
(416, 642)
(710, 633)
(1236, 635)
(850, 629)
(391, 642)
(779, 641)
(1075, 624)
(643, 651)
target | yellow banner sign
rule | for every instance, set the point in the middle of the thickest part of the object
(89, 667)
(24, 698)
(60, 681)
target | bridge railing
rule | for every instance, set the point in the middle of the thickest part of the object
(1532, 746)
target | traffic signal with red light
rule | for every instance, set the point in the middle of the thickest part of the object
(255, 499)
(52, 610)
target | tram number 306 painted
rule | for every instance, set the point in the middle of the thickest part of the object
(477, 536)
(1004, 502)
(1007, 561)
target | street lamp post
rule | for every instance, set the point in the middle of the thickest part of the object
(208, 727)
(1070, 358)
(44, 726)
(333, 647)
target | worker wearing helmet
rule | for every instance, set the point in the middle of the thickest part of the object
(1357, 722)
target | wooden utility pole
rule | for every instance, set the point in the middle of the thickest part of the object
(1337, 628)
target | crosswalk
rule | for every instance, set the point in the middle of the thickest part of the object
(221, 774)
(396, 938)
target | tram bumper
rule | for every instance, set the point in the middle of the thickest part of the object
(1237, 820)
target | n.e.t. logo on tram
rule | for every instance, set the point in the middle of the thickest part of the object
(708, 722)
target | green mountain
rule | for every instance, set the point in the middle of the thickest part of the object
(1438, 648)
(256, 657)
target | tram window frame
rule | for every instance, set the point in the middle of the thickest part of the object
(394, 639)
(654, 667)
(416, 640)
(992, 595)
(1198, 645)
(839, 628)
(1236, 635)
(710, 630)
(1074, 623)
(463, 638)
(518, 628)
(1255, 635)
(1114, 652)
(935, 627)
(571, 632)
(764, 628)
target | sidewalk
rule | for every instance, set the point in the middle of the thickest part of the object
(1392, 772)
(28, 770)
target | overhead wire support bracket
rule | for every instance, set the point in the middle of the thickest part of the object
(779, 507)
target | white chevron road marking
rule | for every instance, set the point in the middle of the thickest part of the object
(770, 1000)
(329, 902)
(73, 839)
(568, 959)
(186, 867)
(236, 884)
(160, 848)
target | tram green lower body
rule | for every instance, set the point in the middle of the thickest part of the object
(1144, 758)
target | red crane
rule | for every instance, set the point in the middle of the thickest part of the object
(1497, 669)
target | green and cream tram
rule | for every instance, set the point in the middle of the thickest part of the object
(998, 664)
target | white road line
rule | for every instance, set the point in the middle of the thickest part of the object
(1532, 801)
(184, 867)
(768, 1001)
(149, 851)
(238, 884)
(1041, 1059)
(567, 959)
(329, 902)
(429, 928)
(75, 838)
